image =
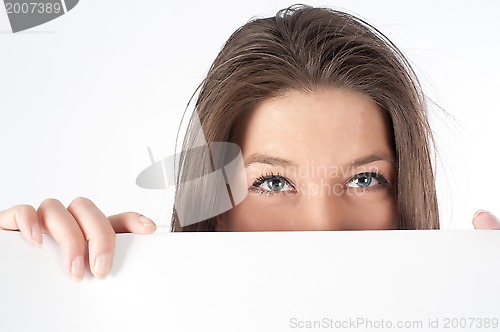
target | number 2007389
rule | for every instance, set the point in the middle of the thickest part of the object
(33, 8)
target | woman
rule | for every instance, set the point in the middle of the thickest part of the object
(308, 50)
(333, 132)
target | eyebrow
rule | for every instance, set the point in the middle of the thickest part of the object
(371, 158)
(263, 158)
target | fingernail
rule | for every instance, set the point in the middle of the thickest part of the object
(36, 235)
(77, 268)
(478, 213)
(102, 266)
(146, 222)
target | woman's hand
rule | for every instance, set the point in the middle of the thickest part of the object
(73, 228)
(485, 220)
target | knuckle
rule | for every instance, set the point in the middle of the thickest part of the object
(80, 201)
(49, 202)
(25, 209)
(23, 214)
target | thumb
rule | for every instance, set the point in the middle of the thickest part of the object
(485, 220)
(131, 222)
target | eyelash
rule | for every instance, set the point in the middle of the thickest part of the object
(266, 177)
(377, 175)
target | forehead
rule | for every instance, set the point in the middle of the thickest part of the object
(327, 126)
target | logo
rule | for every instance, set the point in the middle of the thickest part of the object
(24, 15)
(218, 188)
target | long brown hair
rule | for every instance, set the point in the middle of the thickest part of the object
(305, 48)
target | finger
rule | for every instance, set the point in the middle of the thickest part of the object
(485, 220)
(131, 222)
(98, 232)
(61, 225)
(24, 219)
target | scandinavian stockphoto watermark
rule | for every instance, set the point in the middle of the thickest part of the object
(212, 183)
(25, 15)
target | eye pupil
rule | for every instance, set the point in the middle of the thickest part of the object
(364, 181)
(276, 184)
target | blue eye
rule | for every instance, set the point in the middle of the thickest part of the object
(367, 180)
(272, 184)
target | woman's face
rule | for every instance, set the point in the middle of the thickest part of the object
(315, 161)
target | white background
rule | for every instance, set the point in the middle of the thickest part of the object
(82, 97)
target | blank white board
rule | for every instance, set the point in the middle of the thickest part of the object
(260, 282)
